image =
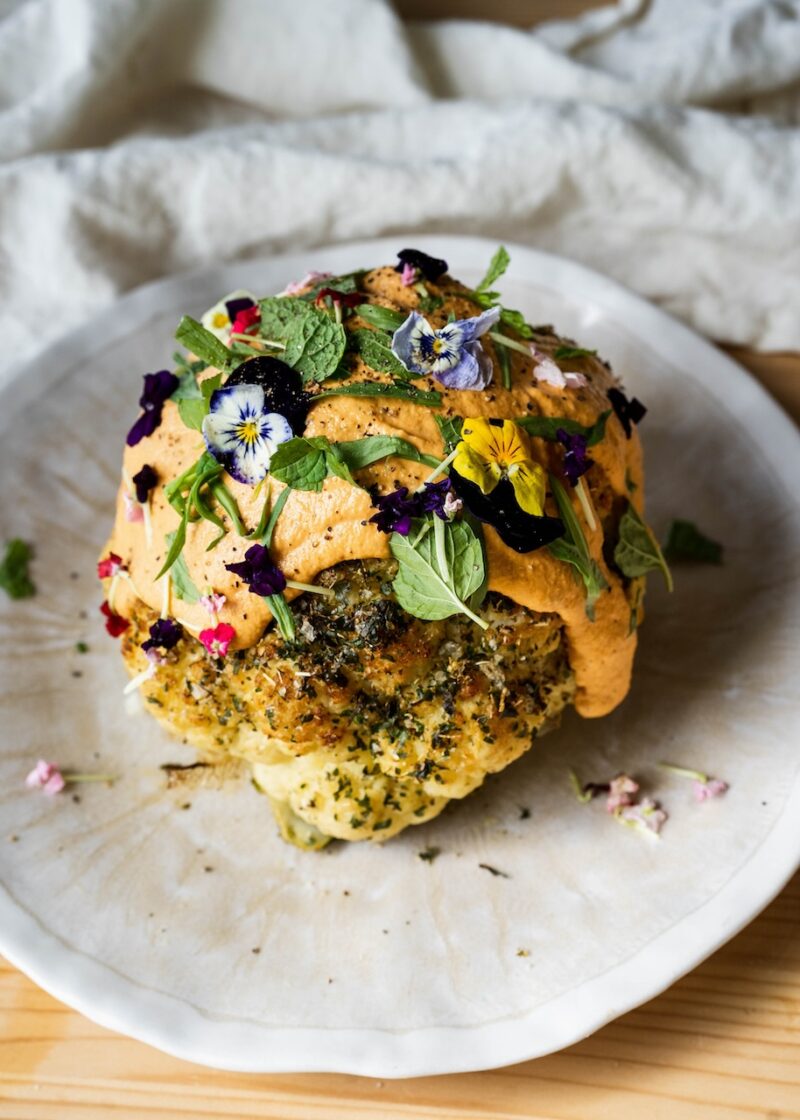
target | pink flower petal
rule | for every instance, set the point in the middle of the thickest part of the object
(620, 792)
(133, 511)
(46, 776)
(408, 276)
(308, 280)
(217, 640)
(213, 602)
(704, 791)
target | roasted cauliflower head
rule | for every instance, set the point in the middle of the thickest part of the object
(372, 536)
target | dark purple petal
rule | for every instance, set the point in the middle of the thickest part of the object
(519, 530)
(144, 482)
(158, 387)
(282, 385)
(576, 460)
(257, 570)
(164, 634)
(627, 411)
(234, 306)
(430, 267)
(144, 426)
(395, 511)
(432, 498)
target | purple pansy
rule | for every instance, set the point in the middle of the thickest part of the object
(258, 571)
(433, 498)
(396, 510)
(452, 354)
(576, 460)
(164, 634)
(158, 388)
(627, 411)
(430, 267)
(144, 481)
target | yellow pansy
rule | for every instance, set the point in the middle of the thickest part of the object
(491, 450)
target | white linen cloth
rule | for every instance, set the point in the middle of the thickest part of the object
(657, 142)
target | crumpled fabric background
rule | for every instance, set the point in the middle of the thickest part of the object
(657, 142)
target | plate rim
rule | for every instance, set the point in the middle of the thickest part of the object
(182, 1030)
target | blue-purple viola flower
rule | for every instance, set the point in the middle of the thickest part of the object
(576, 459)
(241, 433)
(452, 354)
(257, 570)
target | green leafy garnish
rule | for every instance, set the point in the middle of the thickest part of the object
(440, 566)
(188, 389)
(348, 282)
(14, 577)
(497, 266)
(545, 427)
(359, 453)
(383, 318)
(265, 535)
(204, 344)
(686, 542)
(282, 614)
(637, 551)
(573, 352)
(182, 583)
(429, 303)
(573, 549)
(305, 462)
(428, 397)
(372, 348)
(315, 344)
(193, 412)
(450, 430)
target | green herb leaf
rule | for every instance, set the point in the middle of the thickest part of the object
(509, 317)
(265, 534)
(188, 389)
(637, 550)
(348, 282)
(430, 398)
(282, 614)
(497, 266)
(193, 412)
(14, 577)
(373, 349)
(383, 318)
(545, 427)
(360, 453)
(573, 352)
(203, 343)
(184, 366)
(209, 386)
(182, 583)
(434, 580)
(315, 344)
(178, 540)
(573, 549)
(686, 542)
(429, 303)
(301, 463)
(450, 430)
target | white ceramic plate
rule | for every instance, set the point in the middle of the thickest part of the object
(369, 959)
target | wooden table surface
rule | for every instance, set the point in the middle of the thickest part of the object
(721, 1044)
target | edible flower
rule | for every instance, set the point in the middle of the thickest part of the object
(308, 281)
(704, 787)
(627, 411)
(110, 566)
(158, 388)
(646, 815)
(257, 570)
(576, 460)
(133, 511)
(343, 299)
(218, 639)
(621, 792)
(548, 372)
(452, 354)
(164, 634)
(241, 433)
(144, 481)
(493, 450)
(219, 318)
(46, 776)
(408, 275)
(115, 623)
(398, 508)
(282, 385)
(213, 602)
(246, 319)
(430, 267)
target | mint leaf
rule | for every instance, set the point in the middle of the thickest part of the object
(349, 282)
(210, 385)
(497, 266)
(429, 398)
(301, 463)
(203, 343)
(188, 389)
(686, 542)
(182, 583)
(193, 412)
(374, 351)
(434, 582)
(383, 318)
(315, 344)
(573, 549)
(545, 427)
(14, 577)
(637, 551)
(573, 352)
